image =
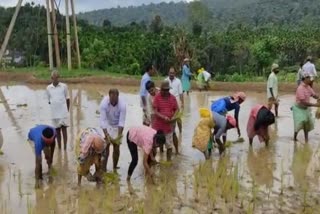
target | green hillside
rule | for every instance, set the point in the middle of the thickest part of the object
(220, 13)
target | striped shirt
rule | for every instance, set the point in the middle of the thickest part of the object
(303, 93)
(166, 106)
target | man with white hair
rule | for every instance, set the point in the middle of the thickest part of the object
(59, 101)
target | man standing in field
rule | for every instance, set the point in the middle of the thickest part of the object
(112, 120)
(152, 91)
(310, 68)
(59, 101)
(143, 91)
(176, 90)
(272, 88)
(165, 107)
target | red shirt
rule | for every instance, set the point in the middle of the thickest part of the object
(166, 106)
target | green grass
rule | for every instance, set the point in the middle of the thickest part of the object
(44, 73)
(116, 72)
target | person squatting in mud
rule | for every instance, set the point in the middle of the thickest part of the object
(42, 138)
(90, 147)
(260, 119)
(147, 139)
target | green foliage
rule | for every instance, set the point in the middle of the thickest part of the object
(240, 50)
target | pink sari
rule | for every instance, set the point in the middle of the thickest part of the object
(262, 131)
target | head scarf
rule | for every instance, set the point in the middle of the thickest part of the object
(239, 95)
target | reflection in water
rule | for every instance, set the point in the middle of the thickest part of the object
(301, 159)
(1, 139)
(260, 166)
(46, 201)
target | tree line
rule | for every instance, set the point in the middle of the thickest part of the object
(239, 49)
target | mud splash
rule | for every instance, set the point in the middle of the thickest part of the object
(281, 178)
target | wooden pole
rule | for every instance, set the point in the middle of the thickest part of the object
(76, 33)
(9, 31)
(49, 30)
(55, 34)
(68, 35)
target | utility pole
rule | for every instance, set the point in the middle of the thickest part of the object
(49, 29)
(76, 33)
(55, 34)
(8, 34)
(68, 36)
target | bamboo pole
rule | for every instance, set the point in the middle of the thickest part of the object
(68, 35)
(55, 34)
(49, 30)
(9, 31)
(76, 33)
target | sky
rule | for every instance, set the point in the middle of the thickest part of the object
(88, 5)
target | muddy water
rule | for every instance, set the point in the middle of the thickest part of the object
(286, 169)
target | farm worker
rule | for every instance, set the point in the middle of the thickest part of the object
(272, 88)
(222, 125)
(42, 138)
(260, 119)
(299, 74)
(176, 90)
(186, 76)
(150, 71)
(203, 135)
(89, 149)
(152, 91)
(147, 139)
(225, 104)
(165, 106)
(302, 116)
(310, 68)
(59, 101)
(112, 120)
(203, 79)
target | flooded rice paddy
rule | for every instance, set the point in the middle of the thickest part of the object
(281, 178)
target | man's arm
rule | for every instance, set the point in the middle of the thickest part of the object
(181, 94)
(66, 94)
(122, 119)
(103, 118)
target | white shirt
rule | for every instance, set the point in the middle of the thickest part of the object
(310, 69)
(110, 115)
(57, 96)
(206, 75)
(175, 87)
(272, 83)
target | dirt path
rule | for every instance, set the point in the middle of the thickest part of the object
(125, 81)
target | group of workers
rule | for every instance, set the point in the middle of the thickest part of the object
(162, 111)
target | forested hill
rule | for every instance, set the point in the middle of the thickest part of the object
(214, 13)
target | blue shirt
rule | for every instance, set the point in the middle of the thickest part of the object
(35, 135)
(223, 105)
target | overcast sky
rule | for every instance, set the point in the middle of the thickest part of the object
(88, 5)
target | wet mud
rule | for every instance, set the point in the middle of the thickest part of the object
(281, 178)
